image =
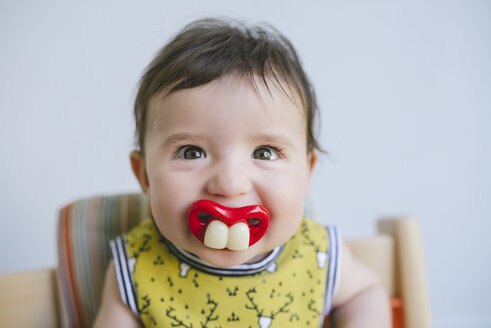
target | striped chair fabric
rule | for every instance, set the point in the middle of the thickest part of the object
(84, 230)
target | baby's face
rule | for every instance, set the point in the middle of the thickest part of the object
(228, 143)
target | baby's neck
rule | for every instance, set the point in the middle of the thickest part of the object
(258, 258)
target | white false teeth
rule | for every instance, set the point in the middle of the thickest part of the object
(219, 236)
(216, 235)
(238, 237)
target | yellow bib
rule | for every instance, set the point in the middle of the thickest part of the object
(168, 287)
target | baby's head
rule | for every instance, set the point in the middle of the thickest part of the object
(225, 113)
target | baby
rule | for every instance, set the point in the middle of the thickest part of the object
(224, 119)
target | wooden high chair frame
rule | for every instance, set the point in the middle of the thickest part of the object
(396, 255)
(31, 299)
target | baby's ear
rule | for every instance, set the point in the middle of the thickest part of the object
(139, 169)
(312, 159)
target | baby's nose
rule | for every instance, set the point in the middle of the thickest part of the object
(229, 179)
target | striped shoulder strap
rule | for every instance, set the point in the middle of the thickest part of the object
(334, 266)
(124, 268)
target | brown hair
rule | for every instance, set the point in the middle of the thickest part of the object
(208, 49)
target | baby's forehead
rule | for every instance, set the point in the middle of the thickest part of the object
(237, 99)
(264, 88)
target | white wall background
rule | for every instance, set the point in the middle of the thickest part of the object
(405, 94)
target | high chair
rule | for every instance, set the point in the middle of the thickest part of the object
(69, 295)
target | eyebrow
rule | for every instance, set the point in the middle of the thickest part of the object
(275, 138)
(178, 137)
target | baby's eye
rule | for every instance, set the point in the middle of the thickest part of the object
(190, 152)
(266, 153)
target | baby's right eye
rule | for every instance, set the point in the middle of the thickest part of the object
(190, 152)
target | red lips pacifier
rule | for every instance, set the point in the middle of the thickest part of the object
(219, 227)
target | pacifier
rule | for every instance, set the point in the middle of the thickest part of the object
(219, 227)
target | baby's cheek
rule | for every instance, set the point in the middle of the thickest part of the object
(294, 212)
(284, 224)
(163, 212)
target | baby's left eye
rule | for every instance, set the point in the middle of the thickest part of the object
(266, 154)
